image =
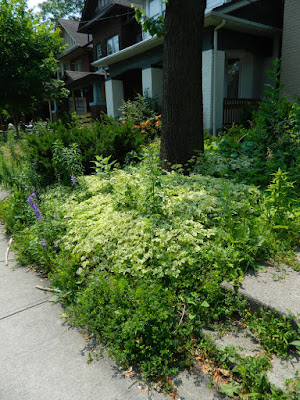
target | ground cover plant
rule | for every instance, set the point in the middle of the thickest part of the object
(139, 253)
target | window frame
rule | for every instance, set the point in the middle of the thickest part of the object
(99, 53)
(115, 48)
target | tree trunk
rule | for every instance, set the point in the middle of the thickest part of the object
(182, 119)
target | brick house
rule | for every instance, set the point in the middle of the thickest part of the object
(113, 27)
(85, 84)
(241, 39)
(290, 59)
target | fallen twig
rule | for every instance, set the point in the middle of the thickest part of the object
(181, 319)
(47, 289)
(7, 250)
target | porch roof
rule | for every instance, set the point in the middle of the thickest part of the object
(75, 79)
(212, 18)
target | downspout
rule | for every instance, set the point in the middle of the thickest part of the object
(215, 75)
(50, 111)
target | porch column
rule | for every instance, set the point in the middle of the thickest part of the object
(114, 96)
(207, 88)
(219, 90)
(98, 99)
(152, 80)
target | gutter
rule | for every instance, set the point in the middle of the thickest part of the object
(215, 75)
(131, 51)
(241, 24)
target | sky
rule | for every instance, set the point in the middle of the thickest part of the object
(33, 3)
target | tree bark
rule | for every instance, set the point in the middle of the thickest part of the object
(182, 117)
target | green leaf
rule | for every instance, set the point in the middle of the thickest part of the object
(230, 389)
(205, 304)
(280, 227)
(54, 298)
(295, 343)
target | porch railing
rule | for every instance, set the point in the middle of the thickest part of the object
(237, 110)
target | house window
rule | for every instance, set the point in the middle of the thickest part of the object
(101, 3)
(66, 67)
(98, 51)
(76, 65)
(112, 45)
(154, 8)
(232, 74)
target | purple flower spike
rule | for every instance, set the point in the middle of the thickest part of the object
(73, 179)
(35, 208)
(55, 215)
(44, 244)
(34, 196)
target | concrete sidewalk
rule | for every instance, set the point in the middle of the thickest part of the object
(42, 358)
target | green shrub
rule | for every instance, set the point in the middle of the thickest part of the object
(66, 162)
(137, 320)
(101, 138)
(138, 110)
(15, 212)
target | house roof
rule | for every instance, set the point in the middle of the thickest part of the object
(75, 79)
(81, 39)
(76, 75)
(104, 11)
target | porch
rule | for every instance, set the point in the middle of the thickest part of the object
(237, 111)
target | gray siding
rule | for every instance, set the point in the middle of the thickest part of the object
(290, 77)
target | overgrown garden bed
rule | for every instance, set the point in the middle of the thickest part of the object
(139, 253)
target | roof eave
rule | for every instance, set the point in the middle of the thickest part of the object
(85, 28)
(131, 51)
(214, 18)
(68, 52)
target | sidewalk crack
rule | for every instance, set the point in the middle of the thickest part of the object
(24, 309)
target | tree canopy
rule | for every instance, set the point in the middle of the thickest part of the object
(27, 58)
(56, 9)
